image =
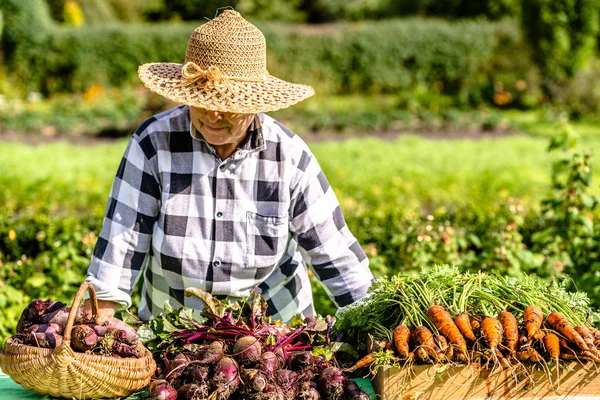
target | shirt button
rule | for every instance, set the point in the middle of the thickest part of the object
(216, 263)
(219, 214)
(222, 167)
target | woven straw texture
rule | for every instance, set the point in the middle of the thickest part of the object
(225, 70)
(61, 372)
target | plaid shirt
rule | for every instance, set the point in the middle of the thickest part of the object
(182, 217)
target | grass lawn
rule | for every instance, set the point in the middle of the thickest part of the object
(534, 123)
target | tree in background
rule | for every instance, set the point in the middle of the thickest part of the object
(355, 10)
(187, 10)
(563, 36)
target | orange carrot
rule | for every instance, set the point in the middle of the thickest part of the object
(532, 317)
(422, 354)
(463, 324)
(444, 323)
(385, 345)
(424, 338)
(511, 330)
(401, 337)
(539, 334)
(570, 354)
(363, 362)
(552, 344)
(586, 335)
(560, 323)
(503, 360)
(522, 355)
(534, 356)
(595, 332)
(441, 342)
(476, 323)
(491, 331)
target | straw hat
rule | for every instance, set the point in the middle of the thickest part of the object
(225, 70)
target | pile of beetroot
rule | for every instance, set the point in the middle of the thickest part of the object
(234, 351)
(43, 323)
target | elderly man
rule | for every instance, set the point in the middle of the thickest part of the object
(219, 196)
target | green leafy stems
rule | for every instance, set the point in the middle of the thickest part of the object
(405, 299)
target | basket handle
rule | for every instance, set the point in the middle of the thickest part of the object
(75, 307)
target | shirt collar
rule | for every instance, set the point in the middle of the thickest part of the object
(254, 141)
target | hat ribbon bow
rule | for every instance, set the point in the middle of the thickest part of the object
(212, 76)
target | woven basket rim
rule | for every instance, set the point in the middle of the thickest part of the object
(49, 371)
(20, 348)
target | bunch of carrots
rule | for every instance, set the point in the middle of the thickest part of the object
(502, 340)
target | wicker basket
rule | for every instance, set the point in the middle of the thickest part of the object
(62, 372)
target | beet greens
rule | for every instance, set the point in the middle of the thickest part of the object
(234, 350)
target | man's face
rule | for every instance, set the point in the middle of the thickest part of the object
(219, 128)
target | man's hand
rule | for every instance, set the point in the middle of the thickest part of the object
(105, 308)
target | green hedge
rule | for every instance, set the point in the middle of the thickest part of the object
(453, 58)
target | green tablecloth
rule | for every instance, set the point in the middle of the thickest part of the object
(10, 390)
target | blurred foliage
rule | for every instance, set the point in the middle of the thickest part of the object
(563, 35)
(73, 15)
(117, 112)
(97, 12)
(356, 10)
(189, 10)
(431, 64)
(451, 57)
(277, 10)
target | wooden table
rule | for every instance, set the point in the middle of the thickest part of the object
(442, 382)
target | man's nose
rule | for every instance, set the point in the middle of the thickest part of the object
(213, 116)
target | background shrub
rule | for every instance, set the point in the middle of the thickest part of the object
(385, 57)
(562, 33)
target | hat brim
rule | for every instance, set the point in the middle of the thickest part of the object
(239, 96)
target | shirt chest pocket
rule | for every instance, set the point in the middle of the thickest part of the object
(266, 238)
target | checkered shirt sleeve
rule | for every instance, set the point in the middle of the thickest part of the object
(125, 239)
(325, 241)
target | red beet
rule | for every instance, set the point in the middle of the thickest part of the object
(176, 367)
(161, 390)
(247, 350)
(331, 383)
(52, 306)
(130, 334)
(51, 328)
(353, 392)
(254, 380)
(309, 394)
(269, 362)
(31, 314)
(281, 356)
(192, 391)
(301, 361)
(209, 355)
(226, 378)
(195, 373)
(286, 378)
(58, 317)
(271, 392)
(46, 340)
(83, 338)
(125, 350)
